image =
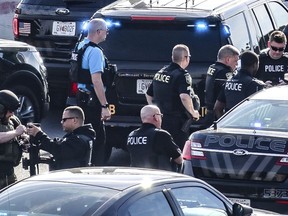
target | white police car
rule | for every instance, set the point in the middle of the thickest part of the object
(244, 154)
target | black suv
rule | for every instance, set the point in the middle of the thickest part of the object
(23, 72)
(53, 27)
(142, 34)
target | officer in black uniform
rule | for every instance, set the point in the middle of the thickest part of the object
(273, 64)
(75, 148)
(150, 146)
(171, 90)
(217, 74)
(240, 86)
(10, 132)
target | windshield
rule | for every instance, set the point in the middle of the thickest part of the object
(52, 198)
(264, 114)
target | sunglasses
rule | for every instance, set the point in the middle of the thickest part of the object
(281, 49)
(64, 119)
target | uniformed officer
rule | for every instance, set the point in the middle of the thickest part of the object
(217, 74)
(240, 86)
(92, 99)
(150, 146)
(171, 90)
(273, 63)
(10, 131)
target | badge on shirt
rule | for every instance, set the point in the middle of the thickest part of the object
(188, 78)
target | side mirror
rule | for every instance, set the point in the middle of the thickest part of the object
(241, 210)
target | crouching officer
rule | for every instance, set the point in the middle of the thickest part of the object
(10, 131)
(150, 146)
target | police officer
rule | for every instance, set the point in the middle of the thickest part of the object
(75, 148)
(92, 98)
(273, 63)
(10, 132)
(240, 86)
(150, 146)
(171, 90)
(217, 74)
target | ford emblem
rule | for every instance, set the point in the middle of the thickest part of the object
(62, 11)
(240, 152)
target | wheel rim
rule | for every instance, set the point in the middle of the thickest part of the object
(26, 111)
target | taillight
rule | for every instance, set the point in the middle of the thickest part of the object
(73, 89)
(192, 149)
(186, 154)
(283, 161)
(15, 25)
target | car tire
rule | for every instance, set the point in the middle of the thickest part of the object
(29, 110)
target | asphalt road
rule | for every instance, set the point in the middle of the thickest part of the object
(52, 126)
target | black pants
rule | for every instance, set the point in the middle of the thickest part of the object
(92, 110)
(7, 178)
(173, 124)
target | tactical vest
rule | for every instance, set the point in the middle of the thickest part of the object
(10, 151)
(140, 145)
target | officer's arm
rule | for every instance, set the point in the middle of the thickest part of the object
(179, 160)
(219, 108)
(149, 99)
(9, 135)
(188, 104)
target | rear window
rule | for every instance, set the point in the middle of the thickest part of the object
(258, 114)
(153, 41)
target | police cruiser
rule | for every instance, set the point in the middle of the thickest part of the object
(244, 153)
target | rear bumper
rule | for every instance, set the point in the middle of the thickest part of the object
(271, 196)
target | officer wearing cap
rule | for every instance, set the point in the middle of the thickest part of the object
(150, 146)
(171, 90)
(217, 74)
(273, 62)
(240, 86)
(10, 131)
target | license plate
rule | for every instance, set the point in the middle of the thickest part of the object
(241, 201)
(142, 85)
(64, 28)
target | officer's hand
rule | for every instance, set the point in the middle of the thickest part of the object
(32, 129)
(269, 83)
(105, 114)
(282, 82)
(20, 130)
(195, 115)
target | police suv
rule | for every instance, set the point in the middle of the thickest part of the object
(244, 154)
(142, 34)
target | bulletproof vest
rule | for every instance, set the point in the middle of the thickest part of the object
(140, 145)
(217, 74)
(10, 151)
(272, 69)
(165, 96)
